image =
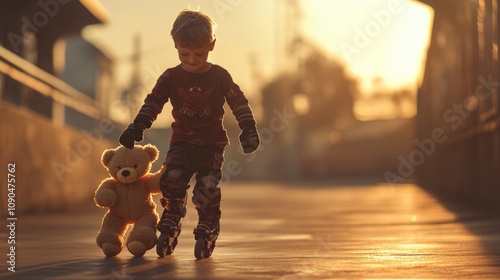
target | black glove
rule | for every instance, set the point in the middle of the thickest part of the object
(249, 139)
(134, 132)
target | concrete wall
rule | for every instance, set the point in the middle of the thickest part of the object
(55, 167)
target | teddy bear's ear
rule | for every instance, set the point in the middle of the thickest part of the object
(152, 151)
(106, 156)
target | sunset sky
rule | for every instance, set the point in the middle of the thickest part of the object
(375, 38)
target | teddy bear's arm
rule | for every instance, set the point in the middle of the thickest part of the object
(152, 181)
(105, 195)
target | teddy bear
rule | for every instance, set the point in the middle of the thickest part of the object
(128, 195)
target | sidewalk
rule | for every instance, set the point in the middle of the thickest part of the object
(275, 231)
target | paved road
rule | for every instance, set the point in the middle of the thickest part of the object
(274, 231)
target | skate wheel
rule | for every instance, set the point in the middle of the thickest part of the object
(163, 246)
(201, 249)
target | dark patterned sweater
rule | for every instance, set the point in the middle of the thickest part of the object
(197, 100)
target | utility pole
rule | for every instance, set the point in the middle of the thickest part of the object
(292, 40)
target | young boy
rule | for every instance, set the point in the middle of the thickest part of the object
(197, 90)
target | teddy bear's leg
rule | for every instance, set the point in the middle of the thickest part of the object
(110, 237)
(143, 235)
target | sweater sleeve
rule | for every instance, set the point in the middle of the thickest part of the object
(238, 103)
(153, 104)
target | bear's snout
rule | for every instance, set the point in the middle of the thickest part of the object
(127, 175)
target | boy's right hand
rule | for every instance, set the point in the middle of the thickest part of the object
(134, 132)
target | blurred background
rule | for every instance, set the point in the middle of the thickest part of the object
(390, 91)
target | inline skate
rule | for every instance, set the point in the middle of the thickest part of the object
(170, 225)
(206, 235)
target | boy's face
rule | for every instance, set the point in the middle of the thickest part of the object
(195, 59)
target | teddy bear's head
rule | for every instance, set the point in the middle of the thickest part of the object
(129, 165)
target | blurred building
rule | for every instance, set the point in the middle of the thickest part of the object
(458, 105)
(53, 97)
(45, 65)
(89, 70)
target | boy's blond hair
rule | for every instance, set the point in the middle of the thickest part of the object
(193, 29)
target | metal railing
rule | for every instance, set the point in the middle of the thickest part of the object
(62, 94)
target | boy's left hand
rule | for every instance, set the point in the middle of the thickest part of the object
(249, 139)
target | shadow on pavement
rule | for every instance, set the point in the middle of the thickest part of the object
(482, 222)
(100, 268)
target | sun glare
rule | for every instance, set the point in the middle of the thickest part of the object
(385, 39)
